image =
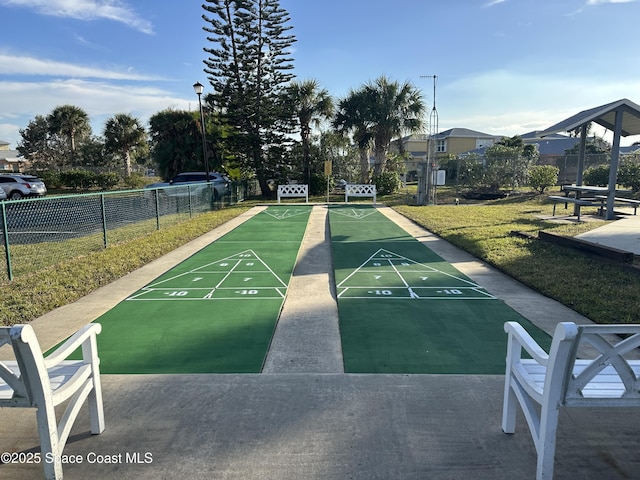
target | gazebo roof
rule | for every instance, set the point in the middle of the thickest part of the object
(604, 115)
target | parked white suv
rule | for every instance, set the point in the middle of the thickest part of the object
(17, 186)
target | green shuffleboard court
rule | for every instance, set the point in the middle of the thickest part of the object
(403, 309)
(216, 311)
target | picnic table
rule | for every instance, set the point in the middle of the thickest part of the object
(587, 195)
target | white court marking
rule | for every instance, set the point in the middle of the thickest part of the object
(243, 275)
(356, 213)
(386, 274)
(281, 214)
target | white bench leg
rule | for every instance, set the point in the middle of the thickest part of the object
(547, 443)
(49, 444)
(509, 408)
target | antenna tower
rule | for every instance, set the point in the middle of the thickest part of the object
(426, 182)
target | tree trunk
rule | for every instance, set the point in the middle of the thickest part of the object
(127, 163)
(364, 165)
(380, 159)
(264, 186)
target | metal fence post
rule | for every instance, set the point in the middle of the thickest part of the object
(104, 220)
(5, 231)
(156, 196)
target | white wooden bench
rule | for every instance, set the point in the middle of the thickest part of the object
(560, 379)
(291, 191)
(32, 381)
(359, 190)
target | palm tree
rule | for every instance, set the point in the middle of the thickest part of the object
(70, 121)
(352, 117)
(312, 105)
(394, 110)
(123, 134)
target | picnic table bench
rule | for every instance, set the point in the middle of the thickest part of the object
(294, 190)
(582, 202)
(359, 190)
(544, 382)
(621, 202)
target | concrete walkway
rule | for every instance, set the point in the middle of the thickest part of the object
(623, 234)
(297, 423)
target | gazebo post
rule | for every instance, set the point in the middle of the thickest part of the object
(581, 157)
(613, 168)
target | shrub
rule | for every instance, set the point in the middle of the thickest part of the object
(629, 175)
(50, 178)
(387, 183)
(543, 176)
(598, 176)
(135, 180)
(108, 180)
(78, 179)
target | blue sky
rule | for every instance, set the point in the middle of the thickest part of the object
(504, 67)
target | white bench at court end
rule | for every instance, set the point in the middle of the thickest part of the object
(291, 191)
(359, 190)
(559, 379)
(33, 381)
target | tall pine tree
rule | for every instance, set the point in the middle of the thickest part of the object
(249, 68)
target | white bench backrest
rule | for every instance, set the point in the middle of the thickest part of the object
(362, 190)
(293, 191)
(607, 379)
(27, 386)
(359, 190)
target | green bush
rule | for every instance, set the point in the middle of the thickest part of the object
(78, 179)
(318, 184)
(135, 180)
(629, 175)
(108, 180)
(598, 176)
(50, 178)
(387, 183)
(543, 176)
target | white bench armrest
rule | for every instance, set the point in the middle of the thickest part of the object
(72, 344)
(518, 334)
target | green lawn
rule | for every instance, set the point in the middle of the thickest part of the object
(604, 292)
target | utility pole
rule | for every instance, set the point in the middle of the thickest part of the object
(426, 176)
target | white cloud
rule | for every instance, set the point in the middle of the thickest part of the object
(113, 10)
(600, 2)
(22, 101)
(493, 3)
(25, 65)
(508, 103)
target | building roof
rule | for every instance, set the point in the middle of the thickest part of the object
(464, 132)
(604, 115)
(10, 156)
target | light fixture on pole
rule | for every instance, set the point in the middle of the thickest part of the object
(199, 88)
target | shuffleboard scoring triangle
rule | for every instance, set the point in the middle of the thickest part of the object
(356, 213)
(387, 274)
(282, 213)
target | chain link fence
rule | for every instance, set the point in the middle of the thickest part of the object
(41, 232)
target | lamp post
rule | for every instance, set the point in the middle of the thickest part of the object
(199, 88)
